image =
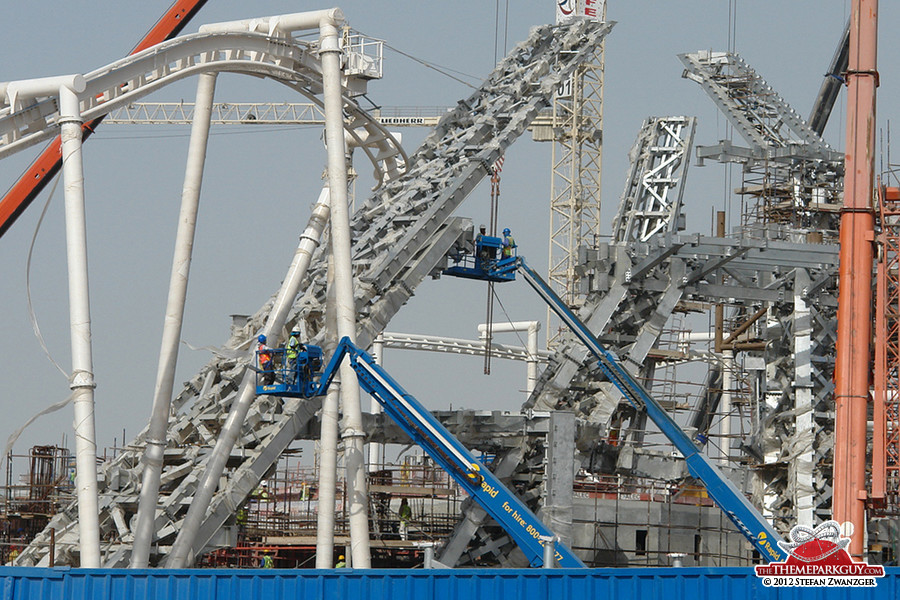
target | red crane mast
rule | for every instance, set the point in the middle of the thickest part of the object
(45, 166)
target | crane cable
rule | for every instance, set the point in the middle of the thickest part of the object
(14, 436)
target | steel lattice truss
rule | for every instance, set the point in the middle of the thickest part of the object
(261, 113)
(577, 134)
(655, 185)
(762, 117)
(400, 235)
(886, 455)
(230, 113)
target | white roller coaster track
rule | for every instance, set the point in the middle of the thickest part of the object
(114, 86)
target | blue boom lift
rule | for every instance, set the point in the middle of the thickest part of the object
(308, 380)
(732, 502)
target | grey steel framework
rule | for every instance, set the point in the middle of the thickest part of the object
(792, 176)
(651, 202)
(401, 234)
(778, 282)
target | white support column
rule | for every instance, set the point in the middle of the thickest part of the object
(82, 378)
(328, 438)
(180, 555)
(375, 449)
(800, 474)
(171, 338)
(532, 327)
(352, 432)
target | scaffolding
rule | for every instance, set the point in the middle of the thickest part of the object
(279, 518)
(32, 498)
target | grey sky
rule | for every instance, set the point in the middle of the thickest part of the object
(260, 182)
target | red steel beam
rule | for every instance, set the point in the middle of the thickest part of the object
(45, 166)
(853, 360)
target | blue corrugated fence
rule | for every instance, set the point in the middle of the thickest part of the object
(23, 583)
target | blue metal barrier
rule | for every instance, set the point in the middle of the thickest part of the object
(729, 583)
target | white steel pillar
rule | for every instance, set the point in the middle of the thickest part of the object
(352, 432)
(328, 438)
(531, 347)
(376, 449)
(81, 381)
(181, 553)
(171, 338)
(82, 378)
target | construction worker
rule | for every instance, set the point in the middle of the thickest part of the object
(341, 563)
(267, 561)
(241, 519)
(484, 254)
(509, 242)
(405, 513)
(265, 360)
(292, 350)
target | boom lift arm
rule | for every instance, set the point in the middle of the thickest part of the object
(483, 486)
(734, 504)
(721, 489)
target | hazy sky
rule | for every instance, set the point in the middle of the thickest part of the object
(260, 182)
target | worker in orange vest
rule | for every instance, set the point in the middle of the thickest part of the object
(265, 361)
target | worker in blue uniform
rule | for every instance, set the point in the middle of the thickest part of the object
(509, 242)
(267, 561)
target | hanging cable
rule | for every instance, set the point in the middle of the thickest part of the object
(496, 29)
(14, 436)
(489, 317)
(31, 313)
(442, 70)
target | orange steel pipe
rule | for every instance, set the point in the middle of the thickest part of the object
(852, 367)
(48, 163)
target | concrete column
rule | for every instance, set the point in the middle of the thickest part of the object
(560, 475)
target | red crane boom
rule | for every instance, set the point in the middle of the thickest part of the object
(45, 166)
